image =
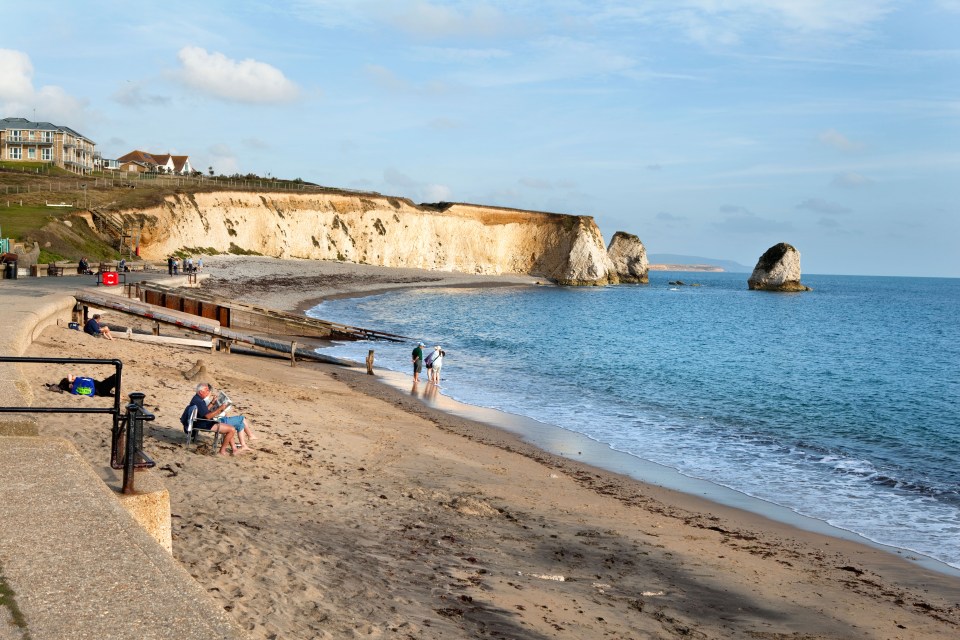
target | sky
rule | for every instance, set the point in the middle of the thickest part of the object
(713, 128)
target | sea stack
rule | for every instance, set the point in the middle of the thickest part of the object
(777, 270)
(629, 258)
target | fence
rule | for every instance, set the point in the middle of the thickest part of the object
(122, 179)
(126, 451)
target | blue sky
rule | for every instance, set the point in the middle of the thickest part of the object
(714, 128)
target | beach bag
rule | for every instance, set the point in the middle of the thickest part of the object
(83, 387)
(430, 358)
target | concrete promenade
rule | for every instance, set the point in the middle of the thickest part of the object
(73, 562)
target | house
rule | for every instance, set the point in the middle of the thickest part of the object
(104, 164)
(163, 162)
(22, 140)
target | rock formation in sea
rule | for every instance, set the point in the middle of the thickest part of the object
(777, 270)
(628, 258)
(370, 228)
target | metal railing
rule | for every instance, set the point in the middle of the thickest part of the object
(126, 451)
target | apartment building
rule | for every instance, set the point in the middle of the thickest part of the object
(22, 140)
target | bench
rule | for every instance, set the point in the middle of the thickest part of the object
(54, 270)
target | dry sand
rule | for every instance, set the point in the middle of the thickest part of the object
(361, 512)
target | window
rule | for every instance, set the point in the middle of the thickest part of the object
(15, 135)
(32, 153)
(14, 153)
(46, 136)
(46, 154)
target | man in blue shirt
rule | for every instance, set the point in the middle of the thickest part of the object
(97, 330)
(208, 414)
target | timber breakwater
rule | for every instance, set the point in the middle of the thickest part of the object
(391, 232)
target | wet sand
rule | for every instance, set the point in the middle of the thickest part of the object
(363, 511)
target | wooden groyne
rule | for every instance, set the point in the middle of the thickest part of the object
(213, 327)
(251, 318)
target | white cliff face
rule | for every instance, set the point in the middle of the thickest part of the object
(628, 258)
(777, 270)
(380, 230)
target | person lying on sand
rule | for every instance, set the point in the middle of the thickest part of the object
(85, 385)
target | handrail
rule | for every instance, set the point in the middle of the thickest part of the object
(115, 410)
(127, 431)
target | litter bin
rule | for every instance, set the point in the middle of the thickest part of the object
(10, 270)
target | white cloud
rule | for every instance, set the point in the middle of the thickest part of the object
(835, 139)
(822, 206)
(223, 160)
(745, 222)
(436, 20)
(547, 185)
(668, 217)
(850, 180)
(398, 179)
(436, 193)
(453, 55)
(728, 23)
(19, 98)
(414, 189)
(385, 78)
(247, 81)
(555, 58)
(131, 94)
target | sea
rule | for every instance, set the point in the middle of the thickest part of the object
(837, 405)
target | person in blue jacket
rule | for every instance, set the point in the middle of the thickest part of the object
(97, 330)
(87, 386)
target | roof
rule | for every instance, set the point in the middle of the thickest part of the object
(137, 156)
(23, 123)
(159, 159)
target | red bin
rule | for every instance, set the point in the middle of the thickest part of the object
(111, 278)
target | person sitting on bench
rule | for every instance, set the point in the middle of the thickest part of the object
(97, 330)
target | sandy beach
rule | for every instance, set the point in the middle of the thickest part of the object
(363, 512)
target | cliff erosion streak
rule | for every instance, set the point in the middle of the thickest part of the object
(385, 231)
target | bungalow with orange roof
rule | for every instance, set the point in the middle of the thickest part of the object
(141, 161)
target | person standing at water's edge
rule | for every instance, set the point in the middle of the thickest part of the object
(417, 359)
(438, 364)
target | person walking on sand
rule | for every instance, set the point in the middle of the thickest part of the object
(417, 359)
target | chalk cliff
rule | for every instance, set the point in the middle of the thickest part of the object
(777, 270)
(381, 230)
(628, 258)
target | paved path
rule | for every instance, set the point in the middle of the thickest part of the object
(78, 564)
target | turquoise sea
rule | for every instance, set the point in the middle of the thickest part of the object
(840, 404)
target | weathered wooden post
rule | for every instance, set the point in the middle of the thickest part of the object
(293, 353)
(370, 362)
